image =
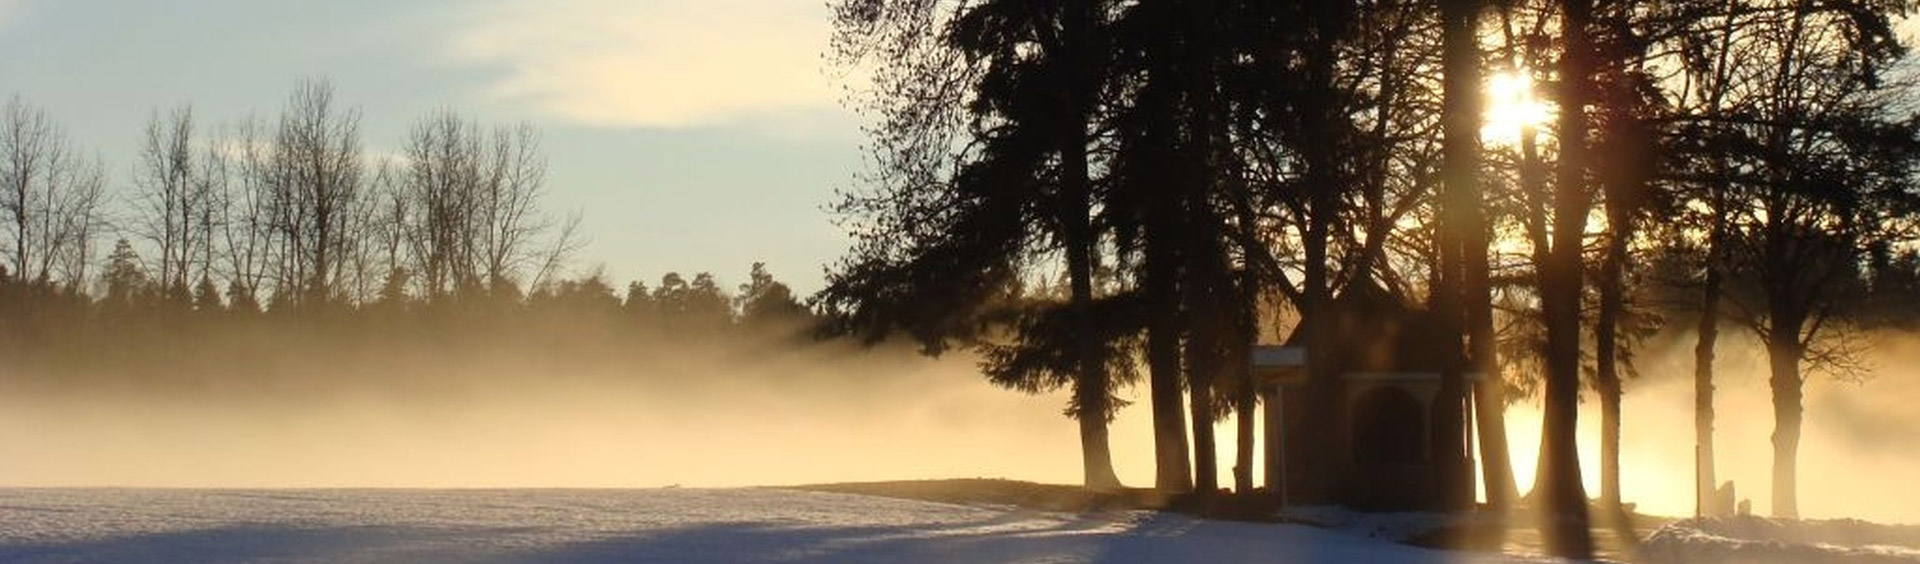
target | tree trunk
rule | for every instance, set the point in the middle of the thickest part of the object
(1563, 496)
(1625, 181)
(1321, 388)
(1606, 356)
(1093, 388)
(1624, 184)
(1171, 471)
(1096, 456)
(1203, 290)
(1316, 308)
(1246, 333)
(1490, 391)
(1206, 471)
(1206, 291)
(1207, 283)
(1460, 119)
(1706, 486)
(1783, 357)
(1490, 419)
(1785, 313)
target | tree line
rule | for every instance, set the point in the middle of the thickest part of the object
(1207, 174)
(288, 231)
(289, 212)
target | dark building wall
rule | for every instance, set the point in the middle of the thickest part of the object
(1381, 458)
(1380, 455)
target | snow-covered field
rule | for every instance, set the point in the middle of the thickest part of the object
(668, 525)
(772, 525)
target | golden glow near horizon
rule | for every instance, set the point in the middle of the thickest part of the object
(1511, 106)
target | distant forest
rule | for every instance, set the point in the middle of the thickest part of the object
(243, 249)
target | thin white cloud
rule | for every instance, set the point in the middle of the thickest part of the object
(652, 63)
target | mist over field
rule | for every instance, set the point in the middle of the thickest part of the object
(773, 412)
(1858, 457)
(730, 416)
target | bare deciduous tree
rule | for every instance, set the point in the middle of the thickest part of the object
(317, 182)
(49, 196)
(175, 198)
(468, 197)
(247, 233)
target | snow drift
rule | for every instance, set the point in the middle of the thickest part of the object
(1748, 539)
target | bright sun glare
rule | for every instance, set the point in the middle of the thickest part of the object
(1511, 107)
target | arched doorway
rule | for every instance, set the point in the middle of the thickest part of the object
(1389, 428)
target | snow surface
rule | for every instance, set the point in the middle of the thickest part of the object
(1397, 526)
(1759, 540)
(666, 525)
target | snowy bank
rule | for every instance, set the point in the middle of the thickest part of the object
(1761, 540)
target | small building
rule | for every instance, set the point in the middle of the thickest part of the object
(1384, 391)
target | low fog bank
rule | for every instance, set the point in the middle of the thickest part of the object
(735, 410)
(743, 412)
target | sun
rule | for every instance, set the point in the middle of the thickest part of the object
(1512, 107)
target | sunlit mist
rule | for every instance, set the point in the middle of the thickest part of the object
(720, 416)
(1859, 441)
(695, 416)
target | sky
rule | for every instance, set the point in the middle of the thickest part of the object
(690, 135)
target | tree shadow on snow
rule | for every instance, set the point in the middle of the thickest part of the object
(1093, 538)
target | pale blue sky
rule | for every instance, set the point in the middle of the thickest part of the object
(693, 135)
